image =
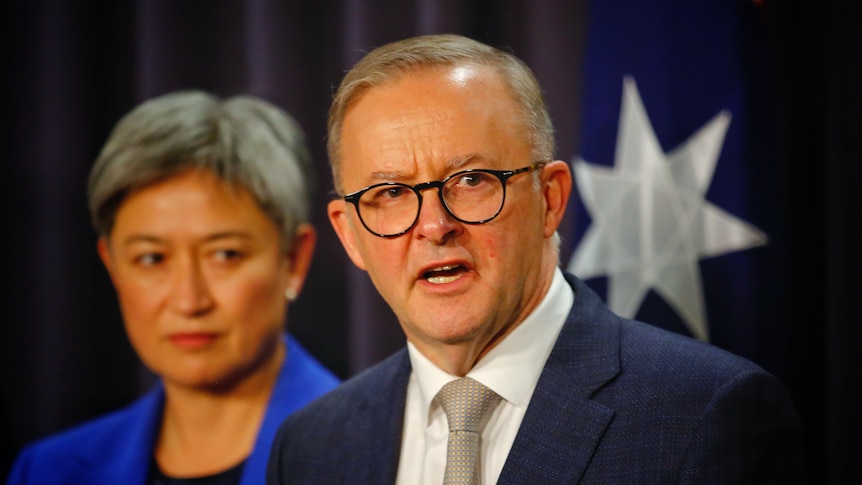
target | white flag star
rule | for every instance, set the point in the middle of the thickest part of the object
(650, 221)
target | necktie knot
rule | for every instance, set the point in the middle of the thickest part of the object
(466, 403)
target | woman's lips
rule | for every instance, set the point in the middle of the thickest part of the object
(192, 340)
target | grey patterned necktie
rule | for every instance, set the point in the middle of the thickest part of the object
(467, 404)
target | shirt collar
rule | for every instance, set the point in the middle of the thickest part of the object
(512, 368)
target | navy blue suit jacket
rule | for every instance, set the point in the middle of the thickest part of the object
(118, 448)
(618, 401)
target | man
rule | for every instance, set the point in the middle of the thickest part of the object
(442, 150)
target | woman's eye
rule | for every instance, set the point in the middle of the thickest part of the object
(149, 259)
(227, 254)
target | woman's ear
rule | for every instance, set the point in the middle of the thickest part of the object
(299, 258)
(104, 250)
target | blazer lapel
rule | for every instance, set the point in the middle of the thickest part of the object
(563, 426)
(372, 455)
(124, 452)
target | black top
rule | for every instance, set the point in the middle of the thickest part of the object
(231, 476)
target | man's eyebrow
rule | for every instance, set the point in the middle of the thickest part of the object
(471, 158)
(452, 165)
(388, 175)
(458, 162)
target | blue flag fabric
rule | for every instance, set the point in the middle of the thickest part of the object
(678, 214)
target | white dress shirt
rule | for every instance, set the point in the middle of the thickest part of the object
(511, 369)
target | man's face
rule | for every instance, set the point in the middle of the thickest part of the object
(200, 273)
(449, 283)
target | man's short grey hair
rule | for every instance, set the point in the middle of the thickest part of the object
(388, 63)
(243, 140)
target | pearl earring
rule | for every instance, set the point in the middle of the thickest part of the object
(290, 294)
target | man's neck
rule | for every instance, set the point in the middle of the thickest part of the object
(459, 357)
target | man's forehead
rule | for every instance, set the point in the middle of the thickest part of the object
(447, 116)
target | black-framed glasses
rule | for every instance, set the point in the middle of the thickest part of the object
(475, 196)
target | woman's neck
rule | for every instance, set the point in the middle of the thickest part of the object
(204, 432)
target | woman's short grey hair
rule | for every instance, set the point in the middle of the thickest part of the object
(388, 63)
(243, 140)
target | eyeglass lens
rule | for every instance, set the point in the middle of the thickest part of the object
(471, 197)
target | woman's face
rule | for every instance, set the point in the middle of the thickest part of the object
(201, 274)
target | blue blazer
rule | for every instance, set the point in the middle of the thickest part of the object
(618, 402)
(118, 448)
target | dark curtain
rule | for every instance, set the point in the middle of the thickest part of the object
(73, 68)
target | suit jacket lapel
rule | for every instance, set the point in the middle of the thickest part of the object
(562, 426)
(373, 455)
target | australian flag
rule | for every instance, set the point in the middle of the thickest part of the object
(678, 219)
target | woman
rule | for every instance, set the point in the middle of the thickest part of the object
(201, 206)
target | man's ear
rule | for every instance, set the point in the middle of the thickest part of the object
(556, 191)
(344, 227)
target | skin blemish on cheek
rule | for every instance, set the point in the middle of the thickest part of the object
(489, 252)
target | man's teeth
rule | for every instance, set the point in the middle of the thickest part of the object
(443, 274)
(439, 280)
(445, 268)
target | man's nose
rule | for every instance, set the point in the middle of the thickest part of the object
(435, 223)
